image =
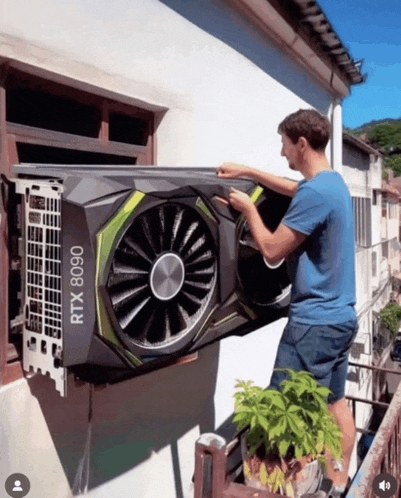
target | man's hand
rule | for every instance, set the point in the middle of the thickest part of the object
(231, 170)
(240, 201)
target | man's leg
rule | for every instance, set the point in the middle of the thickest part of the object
(345, 421)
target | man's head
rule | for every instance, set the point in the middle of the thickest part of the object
(309, 124)
(303, 130)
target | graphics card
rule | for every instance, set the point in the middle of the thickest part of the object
(124, 269)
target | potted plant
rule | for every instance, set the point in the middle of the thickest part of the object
(289, 433)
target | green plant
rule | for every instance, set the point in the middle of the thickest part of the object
(390, 315)
(294, 420)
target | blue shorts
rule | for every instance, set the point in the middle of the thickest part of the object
(321, 350)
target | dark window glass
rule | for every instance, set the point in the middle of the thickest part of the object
(128, 129)
(32, 107)
(28, 153)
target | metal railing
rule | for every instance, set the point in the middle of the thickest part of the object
(384, 456)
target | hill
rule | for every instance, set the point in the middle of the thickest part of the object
(373, 123)
(385, 134)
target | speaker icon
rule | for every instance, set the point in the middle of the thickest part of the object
(384, 485)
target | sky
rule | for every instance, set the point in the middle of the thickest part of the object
(370, 30)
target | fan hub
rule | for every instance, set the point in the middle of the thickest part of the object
(167, 276)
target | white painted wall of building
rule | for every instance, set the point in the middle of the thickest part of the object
(225, 88)
(356, 168)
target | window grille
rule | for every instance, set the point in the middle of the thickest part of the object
(362, 207)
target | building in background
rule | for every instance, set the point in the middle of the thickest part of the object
(362, 171)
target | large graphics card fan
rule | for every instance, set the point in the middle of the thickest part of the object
(162, 277)
(126, 269)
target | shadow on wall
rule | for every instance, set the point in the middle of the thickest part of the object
(220, 20)
(130, 420)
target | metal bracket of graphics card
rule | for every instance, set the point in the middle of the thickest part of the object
(42, 279)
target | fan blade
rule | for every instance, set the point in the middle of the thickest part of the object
(202, 250)
(195, 290)
(195, 237)
(139, 248)
(154, 229)
(182, 223)
(158, 325)
(169, 217)
(204, 278)
(189, 303)
(122, 281)
(130, 316)
(138, 237)
(140, 322)
(125, 260)
(205, 262)
(249, 241)
(128, 292)
(176, 318)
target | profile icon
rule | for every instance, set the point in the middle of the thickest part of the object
(17, 485)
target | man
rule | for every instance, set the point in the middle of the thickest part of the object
(316, 237)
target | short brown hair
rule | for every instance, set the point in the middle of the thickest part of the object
(309, 124)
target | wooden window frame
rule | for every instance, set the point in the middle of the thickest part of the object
(11, 134)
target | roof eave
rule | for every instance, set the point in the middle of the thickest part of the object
(285, 23)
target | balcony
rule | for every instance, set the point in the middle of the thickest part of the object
(218, 473)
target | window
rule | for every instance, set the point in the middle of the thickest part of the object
(392, 209)
(385, 250)
(375, 197)
(54, 123)
(42, 121)
(394, 247)
(363, 221)
(374, 264)
(384, 207)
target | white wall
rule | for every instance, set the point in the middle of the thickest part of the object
(226, 89)
(356, 170)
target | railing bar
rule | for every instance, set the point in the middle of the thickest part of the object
(368, 401)
(377, 369)
(366, 431)
(234, 469)
(232, 445)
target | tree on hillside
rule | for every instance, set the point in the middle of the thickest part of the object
(387, 136)
(394, 162)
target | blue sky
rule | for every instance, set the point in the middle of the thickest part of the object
(370, 30)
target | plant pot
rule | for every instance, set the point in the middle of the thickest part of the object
(307, 479)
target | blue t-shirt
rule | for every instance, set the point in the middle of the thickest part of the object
(322, 269)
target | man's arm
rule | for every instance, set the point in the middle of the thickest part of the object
(276, 183)
(273, 246)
